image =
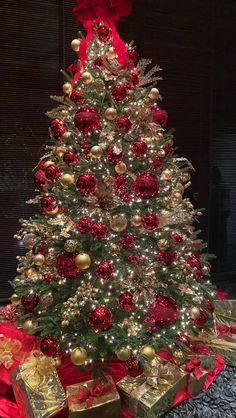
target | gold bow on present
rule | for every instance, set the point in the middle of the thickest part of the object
(161, 375)
(10, 350)
(35, 370)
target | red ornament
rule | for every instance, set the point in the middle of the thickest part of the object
(150, 221)
(98, 62)
(193, 261)
(50, 346)
(163, 311)
(87, 120)
(133, 259)
(85, 146)
(86, 183)
(134, 78)
(126, 301)
(145, 185)
(120, 183)
(58, 128)
(133, 367)
(76, 97)
(125, 196)
(167, 148)
(47, 277)
(159, 116)
(104, 270)
(70, 158)
(48, 203)
(123, 125)
(132, 54)
(119, 93)
(176, 238)
(156, 163)
(139, 147)
(113, 157)
(83, 225)
(165, 257)
(99, 231)
(210, 306)
(198, 275)
(103, 33)
(100, 318)
(65, 265)
(128, 240)
(52, 172)
(41, 181)
(30, 301)
(200, 321)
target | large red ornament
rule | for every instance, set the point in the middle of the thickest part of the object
(159, 116)
(58, 128)
(123, 125)
(103, 32)
(50, 346)
(70, 158)
(41, 181)
(86, 183)
(30, 301)
(128, 240)
(119, 93)
(113, 157)
(139, 147)
(104, 270)
(48, 203)
(52, 172)
(165, 257)
(65, 265)
(83, 225)
(150, 221)
(156, 163)
(87, 120)
(100, 318)
(99, 230)
(192, 261)
(76, 97)
(133, 367)
(163, 311)
(126, 301)
(145, 185)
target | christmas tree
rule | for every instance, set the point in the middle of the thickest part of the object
(113, 263)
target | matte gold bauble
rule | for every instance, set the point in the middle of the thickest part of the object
(59, 151)
(166, 175)
(123, 354)
(66, 180)
(67, 88)
(15, 299)
(118, 223)
(29, 241)
(66, 136)
(148, 352)
(194, 312)
(57, 362)
(30, 325)
(70, 246)
(75, 45)
(163, 244)
(83, 261)
(111, 54)
(47, 164)
(96, 151)
(110, 113)
(121, 168)
(39, 259)
(154, 93)
(87, 77)
(136, 220)
(78, 356)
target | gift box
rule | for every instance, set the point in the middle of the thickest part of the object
(37, 388)
(225, 310)
(197, 368)
(94, 398)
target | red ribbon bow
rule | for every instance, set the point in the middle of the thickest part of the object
(88, 396)
(194, 366)
(101, 9)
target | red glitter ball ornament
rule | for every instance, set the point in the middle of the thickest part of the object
(100, 318)
(113, 157)
(159, 116)
(119, 182)
(134, 78)
(198, 275)
(86, 183)
(150, 221)
(70, 158)
(41, 181)
(87, 120)
(163, 310)
(125, 196)
(132, 54)
(193, 261)
(119, 93)
(133, 259)
(99, 230)
(165, 257)
(167, 148)
(76, 97)
(50, 346)
(65, 265)
(145, 185)
(58, 128)
(123, 125)
(30, 301)
(128, 240)
(47, 277)
(52, 172)
(156, 163)
(48, 203)
(83, 225)
(133, 367)
(139, 147)
(104, 270)
(103, 33)
(176, 238)
(126, 301)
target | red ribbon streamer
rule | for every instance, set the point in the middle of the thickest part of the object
(88, 10)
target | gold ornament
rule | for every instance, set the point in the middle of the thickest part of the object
(83, 261)
(78, 356)
(46, 299)
(96, 151)
(161, 153)
(176, 199)
(59, 151)
(121, 168)
(118, 223)
(67, 88)
(206, 269)
(66, 136)
(114, 249)
(57, 362)
(66, 180)
(15, 299)
(70, 246)
(47, 164)
(110, 54)
(53, 212)
(29, 241)
(166, 175)
(148, 140)
(123, 354)
(39, 259)
(136, 220)
(154, 93)
(194, 312)
(98, 85)
(87, 77)
(163, 244)
(64, 113)
(148, 352)
(159, 137)
(30, 325)
(110, 113)
(178, 356)
(75, 45)
(30, 273)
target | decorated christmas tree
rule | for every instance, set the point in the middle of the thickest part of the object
(113, 264)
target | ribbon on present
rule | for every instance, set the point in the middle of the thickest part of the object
(224, 330)
(194, 366)
(35, 370)
(88, 396)
(10, 351)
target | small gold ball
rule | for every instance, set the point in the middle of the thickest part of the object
(123, 354)
(59, 151)
(194, 312)
(163, 244)
(30, 272)
(154, 93)
(96, 151)
(47, 164)
(15, 299)
(57, 362)
(30, 325)
(121, 168)
(87, 78)
(66, 180)
(148, 352)
(166, 175)
(110, 113)
(136, 220)
(111, 54)
(83, 261)
(118, 223)
(39, 259)
(75, 45)
(70, 246)
(67, 88)
(78, 356)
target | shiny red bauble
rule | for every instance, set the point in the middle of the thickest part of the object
(85, 146)
(123, 125)
(100, 318)
(99, 230)
(87, 120)
(52, 172)
(165, 257)
(86, 183)
(83, 225)
(176, 238)
(98, 62)
(58, 128)
(47, 277)
(103, 32)
(125, 196)
(192, 261)
(156, 163)
(76, 97)
(70, 158)
(126, 301)
(163, 311)
(145, 185)
(50, 346)
(30, 301)
(150, 221)
(65, 265)
(128, 240)
(48, 203)
(159, 116)
(139, 147)
(119, 93)
(104, 270)
(41, 181)
(113, 157)
(133, 367)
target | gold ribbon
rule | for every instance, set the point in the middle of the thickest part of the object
(10, 350)
(36, 370)
(213, 340)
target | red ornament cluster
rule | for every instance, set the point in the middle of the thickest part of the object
(48, 204)
(57, 128)
(100, 318)
(163, 311)
(123, 125)
(126, 301)
(165, 257)
(30, 301)
(65, 265)
(128, 241)
(50, 346)
(150, 221)
(70, 158)
(146, 185)
(119, 92)
(104, 270)
(139, 147)
(83, 225)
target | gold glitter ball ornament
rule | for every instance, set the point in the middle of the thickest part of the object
(87, 77)
(70, 246)
(79, 356)
(163, 244)
(39, 259)
(46, 299)
(148, 352)
(59, 151)
(136, 220)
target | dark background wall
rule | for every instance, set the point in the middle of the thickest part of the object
(192, 40)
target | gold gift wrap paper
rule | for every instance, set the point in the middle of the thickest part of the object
(225, 309)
